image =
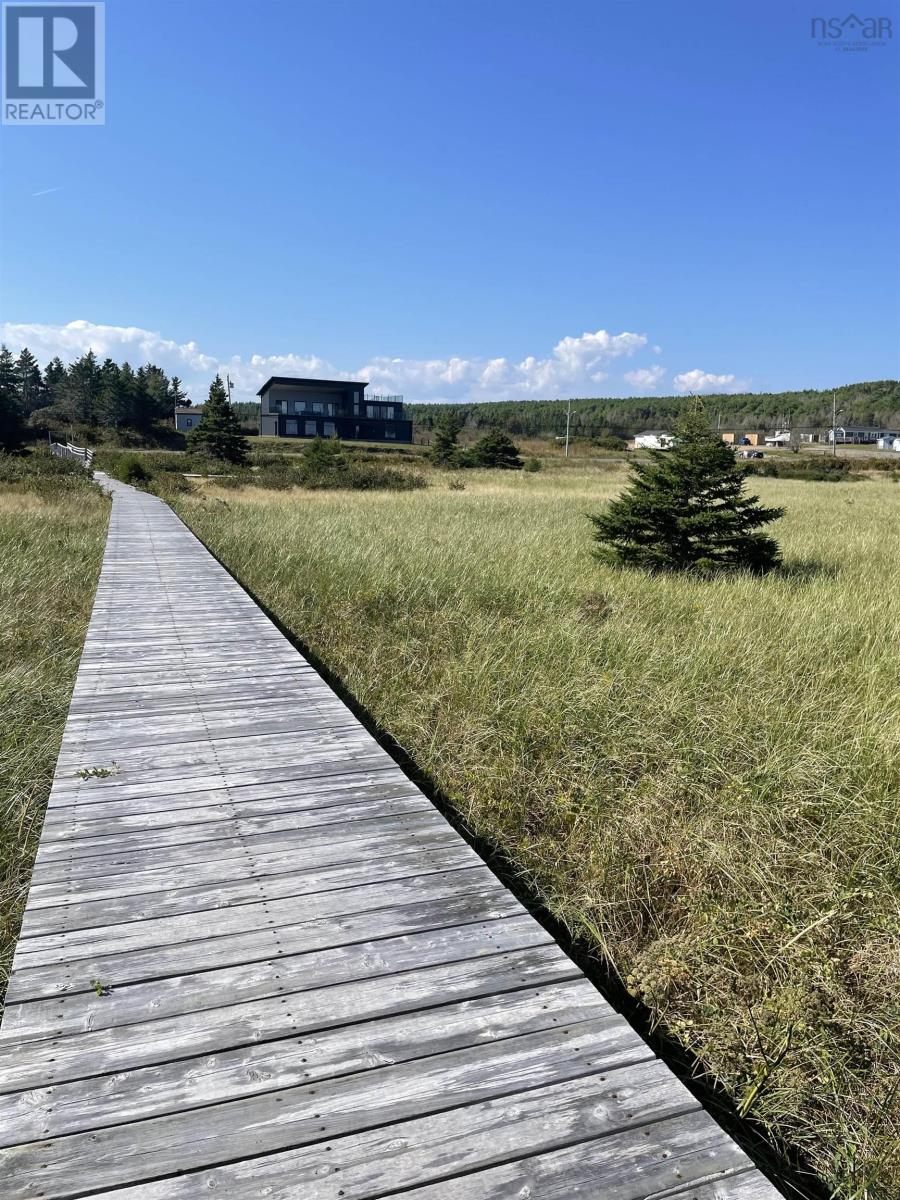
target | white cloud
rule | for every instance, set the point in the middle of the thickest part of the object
(575, 366)
(646, 378)
(703, 381)
(120, 342)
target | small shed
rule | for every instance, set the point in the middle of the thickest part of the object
(187, 419)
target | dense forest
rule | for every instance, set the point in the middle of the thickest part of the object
(90, 400)
(876, 404)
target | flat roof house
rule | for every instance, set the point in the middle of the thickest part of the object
(324, 407)
(187, 419)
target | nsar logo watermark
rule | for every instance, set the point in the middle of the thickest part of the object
(53, 64)
(851, 33)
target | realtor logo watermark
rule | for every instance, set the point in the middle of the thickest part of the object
(851, 33)
(53, 64)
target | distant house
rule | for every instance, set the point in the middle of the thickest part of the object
(654, 439)
(308, 408)
(858, 435)
(887, 439)
(781, 437)
(187, 419)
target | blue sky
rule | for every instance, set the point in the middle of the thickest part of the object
(449, 195)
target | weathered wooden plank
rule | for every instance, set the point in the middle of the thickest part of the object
(684, 1150)
(462, 1140)
(446, 854)
(347, 784)
(203, 953)
(330, 757)
(433, 939)
(60, 1108)
(76, 826)
(189, 852)
(173, 931)
(235, 881)
(347, 844)
(83, 850)
(296, 1116)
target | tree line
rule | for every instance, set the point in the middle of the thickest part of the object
(84, 395)
(875, 404)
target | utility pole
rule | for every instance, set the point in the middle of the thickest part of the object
(228, 385)
(568, 423)
(834, 424)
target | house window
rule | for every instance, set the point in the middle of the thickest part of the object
(317, 407)
(189, 421)
(290, 428)
(310, 428)
(389, 433)
(328, 429)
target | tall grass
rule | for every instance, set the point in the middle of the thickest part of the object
(52, 530)
(699, 777)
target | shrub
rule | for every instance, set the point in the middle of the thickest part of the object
(820, 470)
(277, 475)
(532, 464)
(497, 449)
(610, 441)
(132, 470)
(42, 473)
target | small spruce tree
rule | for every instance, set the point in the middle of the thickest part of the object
(219, 432)
(687, 508)
(447, 427)
(497, 449)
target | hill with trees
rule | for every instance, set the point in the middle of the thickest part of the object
(876, 404)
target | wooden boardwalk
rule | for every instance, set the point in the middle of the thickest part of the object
(256, 961)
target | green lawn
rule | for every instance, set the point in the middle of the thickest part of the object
(700, 778)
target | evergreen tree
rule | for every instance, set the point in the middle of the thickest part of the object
(128, 391)
(155, 390)
(496, 449)
(687, 508)
(11, 423)
(32, 394)
(219, 432)
(177, 397)
(55, 381)
(81, 388)
(447, 427)
(112, 405)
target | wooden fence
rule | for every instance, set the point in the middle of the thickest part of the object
(80, 453)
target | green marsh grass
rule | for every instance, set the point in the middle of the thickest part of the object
(699, 777)
(52, 532)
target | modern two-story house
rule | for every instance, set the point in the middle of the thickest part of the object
(324, 407)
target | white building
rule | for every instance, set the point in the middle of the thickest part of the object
(654, 439)
(887, 439)
(781, 437)
(856, 435)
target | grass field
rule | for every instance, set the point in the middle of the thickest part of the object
(52, 531)
(699, 778)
